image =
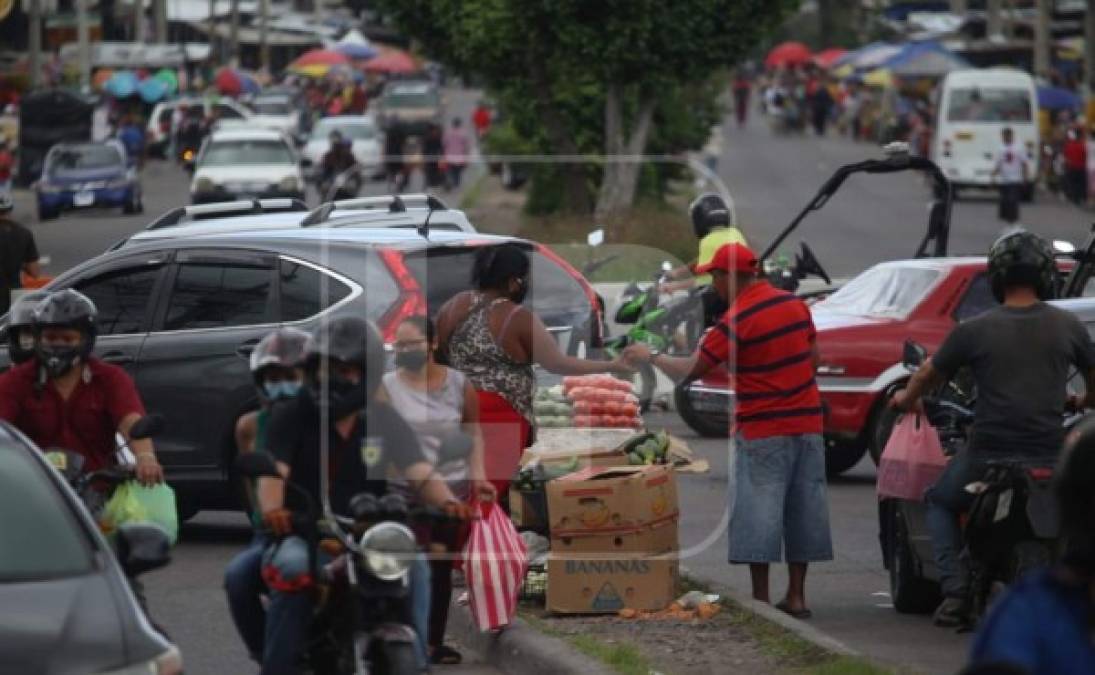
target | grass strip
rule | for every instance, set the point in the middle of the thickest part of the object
(474, 193)
(620, 656)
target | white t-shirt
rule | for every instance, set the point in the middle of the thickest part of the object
(1009, 163)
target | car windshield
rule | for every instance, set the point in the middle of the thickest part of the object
(986, 104)
(230, 153)
(361, 131)
(84, 158)
(886, 291)
(272, 107)
(411, 98)
(50, 545)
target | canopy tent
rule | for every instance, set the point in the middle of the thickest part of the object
(865, 58)
(355, 46)
(1057, 98)
(827, 57)
(924, 59)
(788, 54)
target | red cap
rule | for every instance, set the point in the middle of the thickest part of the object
(731, 258)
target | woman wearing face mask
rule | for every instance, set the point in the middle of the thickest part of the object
(437, 402)
(489, 336)
(276, 369)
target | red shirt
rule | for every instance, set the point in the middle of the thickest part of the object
(1075, 152)
(766, 339)
(85, 423)
(6, 163)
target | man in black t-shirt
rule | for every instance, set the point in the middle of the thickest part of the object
(344, 361)
(1020, 354)
(18, 253)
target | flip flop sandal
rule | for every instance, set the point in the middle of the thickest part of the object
(801, 614)
(445, 656)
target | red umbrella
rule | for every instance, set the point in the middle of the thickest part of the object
(826, 57)
(227, 82)
(320, 57)
(788, 54)
(393, 62)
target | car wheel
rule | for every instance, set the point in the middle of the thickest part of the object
(911, 593)
(45, 213)
(881, 427)
(842, 455)
(703, 423)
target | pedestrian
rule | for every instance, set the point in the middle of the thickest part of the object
(742, 88)
(433, 151)
(1075, 155)
(778, 496)
(1091, 162)
(437, 402)
(18, 253)
(394, 140)
(1012, 172)
(131, 134)
(481, 118)
(490, 336)
(821, 106)
(7, 165)
(457, 150)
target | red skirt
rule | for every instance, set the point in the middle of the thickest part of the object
(506, 434)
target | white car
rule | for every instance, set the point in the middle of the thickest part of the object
(360, 129)
(276, 111)
(246, 163)
(161, 120)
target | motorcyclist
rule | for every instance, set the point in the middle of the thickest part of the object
(338, 157)
(1019, 355)
(344, 364)
(713, 227)
(21, 327)
(276, 369)
(1043, 623)
(67, 398)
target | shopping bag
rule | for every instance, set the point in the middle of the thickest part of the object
(912, 460)
(495, 562)
(135, 503)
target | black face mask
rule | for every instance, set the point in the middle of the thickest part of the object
(58, 360)
(411, 360)
(344, 397)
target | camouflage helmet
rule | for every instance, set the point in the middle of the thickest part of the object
(1020, 258)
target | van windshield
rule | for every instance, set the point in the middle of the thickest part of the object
(985, 104)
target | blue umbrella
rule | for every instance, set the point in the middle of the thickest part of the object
(152, 89)
(355, 51)
(248, 84)
(122, 84)
(1056, 98)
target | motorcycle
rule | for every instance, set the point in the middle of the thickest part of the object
(1010, 529)
(344, 185)
(362, 619)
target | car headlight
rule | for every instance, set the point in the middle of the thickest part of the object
(204, 185)
(288, 184)
(50, 188)
(118, 183)
(389, 550)
(168, 663)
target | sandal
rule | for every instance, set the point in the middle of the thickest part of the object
(445, 656)
(801, 614)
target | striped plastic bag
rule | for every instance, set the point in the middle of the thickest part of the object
(495, 561)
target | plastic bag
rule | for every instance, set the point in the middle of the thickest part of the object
(135, 503)
(495, 561)
(912, 460)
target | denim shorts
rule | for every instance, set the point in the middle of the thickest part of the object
(778, 500)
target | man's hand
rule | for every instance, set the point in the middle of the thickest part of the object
(149, 471)
(902, 402)
(637, 353)
(278, 521)
(621, 365)
(484, 490)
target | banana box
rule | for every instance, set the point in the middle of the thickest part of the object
(646, 539)
(611, 500)
(598, 585)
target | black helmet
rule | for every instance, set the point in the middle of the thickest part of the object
(1074, 484)
(708, 211)
(1022, 258)
(64, 309)
(21, 326)
(347, 339)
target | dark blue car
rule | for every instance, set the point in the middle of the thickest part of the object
(83, 175)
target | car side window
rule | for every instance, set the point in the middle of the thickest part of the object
(227, 112)
(977, 299)
(122, 298)
(219, 296)
(305, 291)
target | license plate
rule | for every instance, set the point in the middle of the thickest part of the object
(83, 199)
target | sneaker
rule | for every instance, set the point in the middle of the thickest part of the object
(951, 613)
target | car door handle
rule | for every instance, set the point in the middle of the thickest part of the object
(117, 358)
(246, 348)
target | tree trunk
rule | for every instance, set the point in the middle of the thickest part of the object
(578, 198)
(622, 163)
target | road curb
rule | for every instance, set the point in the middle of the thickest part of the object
(520, 649)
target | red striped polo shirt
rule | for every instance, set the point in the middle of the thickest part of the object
(766, 339)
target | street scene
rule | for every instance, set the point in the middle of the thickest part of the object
(468, 337)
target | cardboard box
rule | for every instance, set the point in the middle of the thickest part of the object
(528, 510)
(611, 500)
(602, 586)
(646, 540)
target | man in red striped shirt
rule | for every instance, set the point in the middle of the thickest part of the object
(778, 496)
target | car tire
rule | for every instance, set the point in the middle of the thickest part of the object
(881, 427)
(396, 658)
(704, 424)
(842, 455)
(46, 214)
(910, 593)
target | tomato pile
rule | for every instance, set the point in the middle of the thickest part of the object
(602, 401)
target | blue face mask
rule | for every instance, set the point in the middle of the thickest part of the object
(279, 390)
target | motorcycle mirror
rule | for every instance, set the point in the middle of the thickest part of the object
(363, 507)
(1063, 247)
(257, 464)
(142, 547)
(667, 266)
(914, 354)
(454, 448)
(596, 237)
(147, 427)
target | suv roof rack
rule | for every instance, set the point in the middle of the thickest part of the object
(393, 203)
(241, 207)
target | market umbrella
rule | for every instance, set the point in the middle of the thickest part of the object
(152, 89)
(227, 81)
(355, 46)
(787, 54)
(248, 83)
(168, 77)
(393, 62)
(925, 59)
(1057, 98)
(319, 57)
(827, 57)
(122, 84)
(879, 77)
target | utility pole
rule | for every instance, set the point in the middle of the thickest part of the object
(138, 22)
(1041, 38)
(234, 35)
(993, 24)
(83, 37)
(958, 7)
(34, 11)
(159, 15)
(264, 45)
(317, 7)
(1089, 58)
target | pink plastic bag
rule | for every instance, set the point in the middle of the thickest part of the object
(912, 460)
(495, 561)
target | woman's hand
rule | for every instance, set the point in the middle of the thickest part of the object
(484, 490)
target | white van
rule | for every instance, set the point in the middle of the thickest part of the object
(974, 107)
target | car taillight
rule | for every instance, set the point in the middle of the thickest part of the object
(1040, 472)
(587, 288)
(946, 148)
(412, 300)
